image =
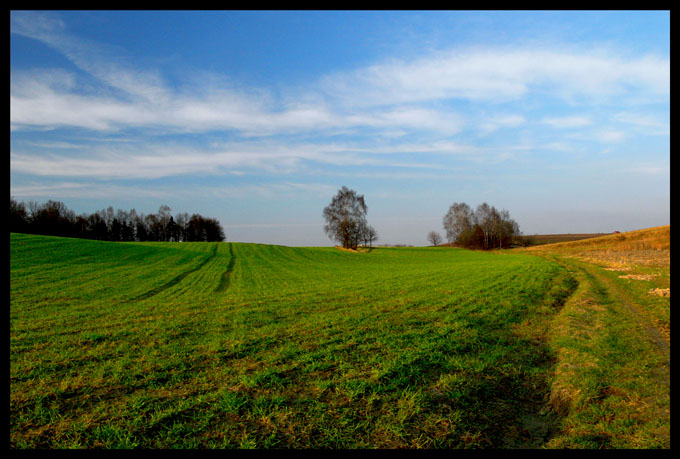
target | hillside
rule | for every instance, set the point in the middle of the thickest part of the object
(656, 238)
(612, 341)
(648, 247)
(236, 345)
(224, 345)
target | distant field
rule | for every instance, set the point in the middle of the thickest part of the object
(538, 239)
(235, 345)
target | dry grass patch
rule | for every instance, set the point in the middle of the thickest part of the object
(644, 277)
(647, 247)
(661, 292)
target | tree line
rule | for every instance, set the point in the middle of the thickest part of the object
(53, 218)
(484, 228)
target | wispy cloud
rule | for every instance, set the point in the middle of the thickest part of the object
(104, 190)
(648, 123)
(392, 96)
(500, 75)
(568, 122)
(611, 136)
(152, 161)
(496, 118)
(92, 190)
(495, 122)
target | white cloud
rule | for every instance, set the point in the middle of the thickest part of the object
(567, 122)
(496, 122)
(394, 97)
(152, 161)
(611, 136)
(36, 101)
(500, 75)
(156, 161)
(559, 146)
(103, 189)
(37, 25)
(650, 124)
(91, 190)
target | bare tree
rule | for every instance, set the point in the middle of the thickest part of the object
(485, 228)
(434, 238)
(458, 220)
(164, 222)
(182, 220)
(372, 235)
(345, 217)
(33, 209)
(485, 219)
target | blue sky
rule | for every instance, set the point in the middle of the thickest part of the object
(257, 118)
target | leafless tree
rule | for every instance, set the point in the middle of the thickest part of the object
(485, 219)
(458, 220)
(485, 228)
(346, 217)
(434, 238)
(164, 219)
(182, 221)
(372, 235)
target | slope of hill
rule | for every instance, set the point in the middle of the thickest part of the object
(612, 341)
(656, 238)
(217, 345)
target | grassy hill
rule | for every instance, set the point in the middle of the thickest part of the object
(612, 341)
(249, 345)
(235, 345)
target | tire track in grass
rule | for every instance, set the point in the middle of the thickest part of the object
(226, 276)
(608, 289)
(174, 281)
(651, 385)
(636, 311)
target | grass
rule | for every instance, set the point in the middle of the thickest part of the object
(234, 345)
(228, 345)
(612, 341)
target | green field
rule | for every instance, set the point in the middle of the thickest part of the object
(235, 345)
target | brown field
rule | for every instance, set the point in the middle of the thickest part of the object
(539, 239)
(647, 247)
